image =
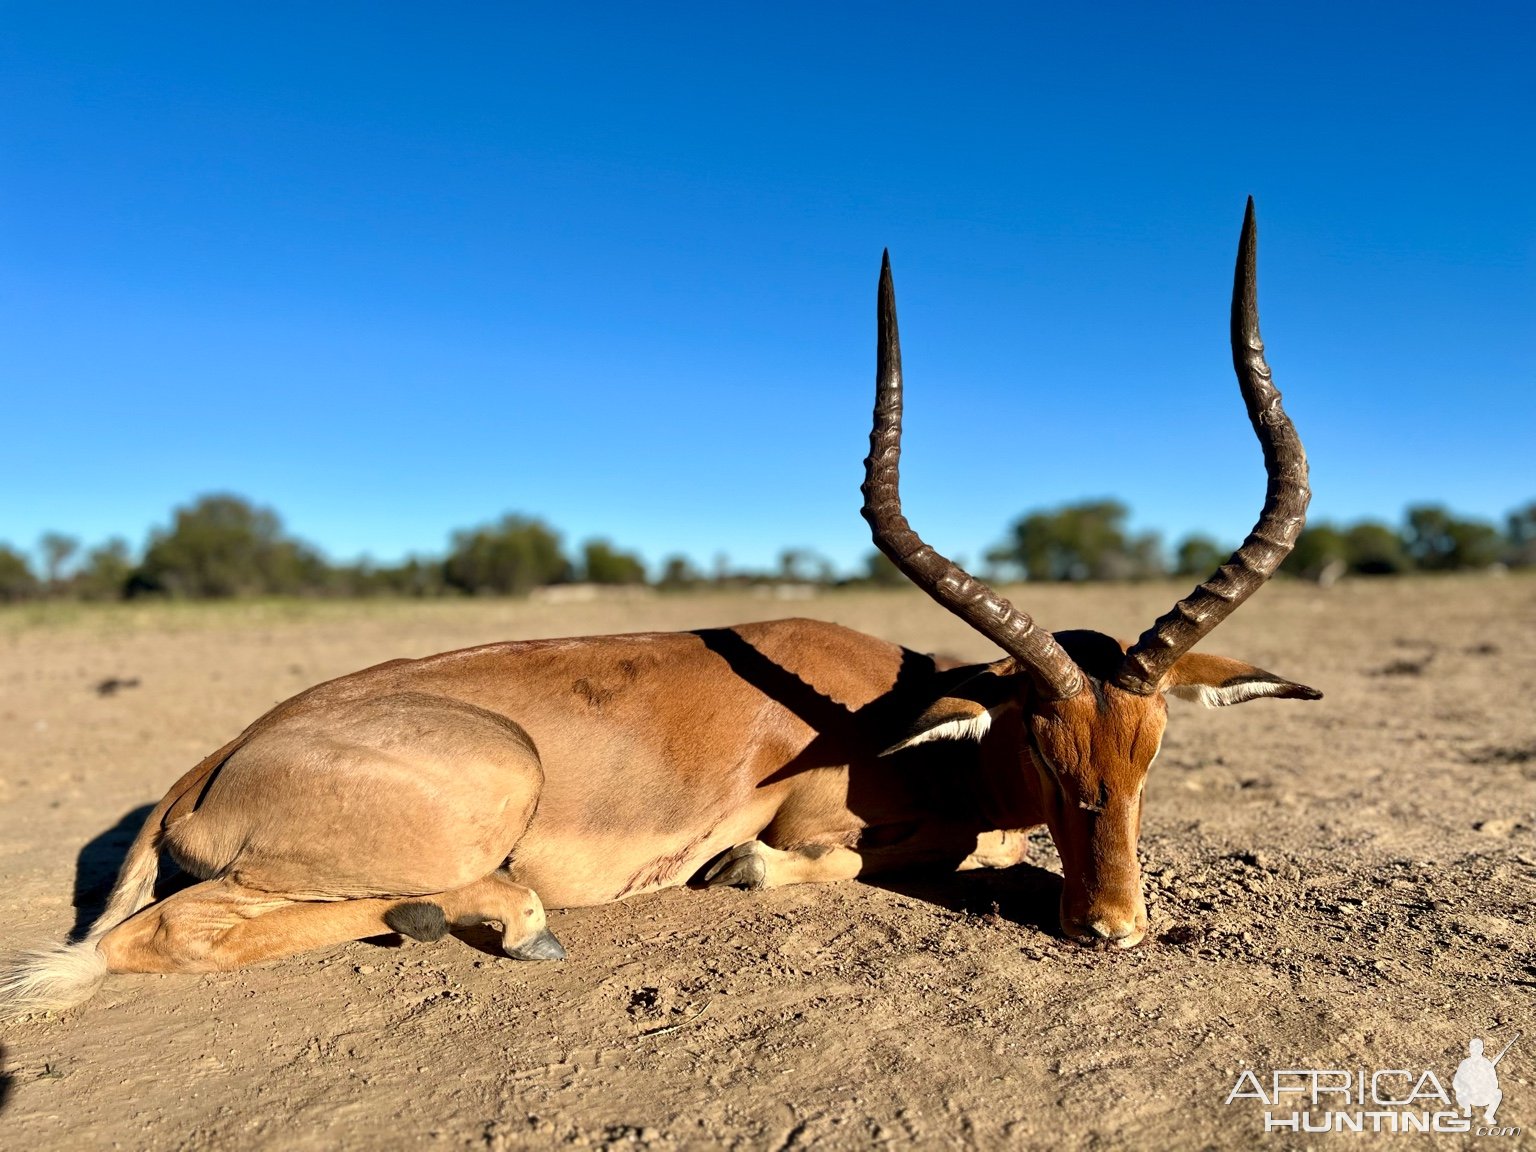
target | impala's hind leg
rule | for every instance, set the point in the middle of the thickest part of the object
(495, 899)
(218, 925)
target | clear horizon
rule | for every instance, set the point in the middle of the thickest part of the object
(393, 273)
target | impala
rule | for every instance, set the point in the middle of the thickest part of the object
(479, 785)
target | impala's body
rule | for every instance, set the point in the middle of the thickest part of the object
(477, 785)
(646, 755)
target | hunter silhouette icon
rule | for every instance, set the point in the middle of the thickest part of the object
(1476, 1082)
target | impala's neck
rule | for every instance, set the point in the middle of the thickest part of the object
(1011, 795)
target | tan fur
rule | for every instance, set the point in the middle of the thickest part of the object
(491, 780)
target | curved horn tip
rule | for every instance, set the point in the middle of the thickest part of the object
(886, 296)
(1245, 283)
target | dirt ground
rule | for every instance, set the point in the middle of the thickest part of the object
(1336, 885)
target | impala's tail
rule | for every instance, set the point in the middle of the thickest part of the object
(68, 974)
(54, 978)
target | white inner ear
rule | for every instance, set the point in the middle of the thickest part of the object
(968, 728)
(1213, 697)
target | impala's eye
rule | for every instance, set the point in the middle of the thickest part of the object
(1100, 803)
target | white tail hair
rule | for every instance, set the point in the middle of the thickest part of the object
(51, 979)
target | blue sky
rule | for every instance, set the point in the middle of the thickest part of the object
(394, 269)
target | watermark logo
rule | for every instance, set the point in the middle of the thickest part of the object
(1381, 1100)
(1476, 1082)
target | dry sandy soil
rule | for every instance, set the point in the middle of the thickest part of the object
(1345, 884)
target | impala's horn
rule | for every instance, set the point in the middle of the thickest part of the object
(1285, 500)
(1054, 673)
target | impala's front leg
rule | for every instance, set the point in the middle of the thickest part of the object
(1001, 848)
(755, 865)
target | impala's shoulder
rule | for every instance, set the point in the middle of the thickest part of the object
(577, 647)
(835, 663)
(819, 644)
(806, 631)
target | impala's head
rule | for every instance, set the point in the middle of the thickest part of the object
(1091, 711)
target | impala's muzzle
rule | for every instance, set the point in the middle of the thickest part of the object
(1091, 770)
(1101, 899)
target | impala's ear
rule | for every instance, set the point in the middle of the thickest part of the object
(1217, 681)
(965, 710)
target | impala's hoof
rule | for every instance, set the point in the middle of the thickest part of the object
(544, 946)
(420, 921)
(741, 867)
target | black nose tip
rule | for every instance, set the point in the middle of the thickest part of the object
(1108, 932)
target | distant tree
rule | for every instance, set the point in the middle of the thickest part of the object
(415, 576)
(804, 566)
(362, 578)
(1084, 541)
(881, 572)
(512, 557)
(1321, 550)
(1441, 542)
(411, 577)
(17, 581)
(678, 574)
(1000, 564)
(1199, 556)
(106, 572)
(602, 563)
(1374, 549)
(222, 546)
(794, 565)
(1317, 549)
(1142, 559)
(57, 549)
(1522, 536)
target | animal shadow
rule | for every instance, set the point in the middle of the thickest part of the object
(7, 1081)
(1023, 894)
(482, 938)
(98, 863)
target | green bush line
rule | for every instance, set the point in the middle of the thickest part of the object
(223, 547)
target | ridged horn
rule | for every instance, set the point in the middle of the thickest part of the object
(1055, 674)
(1285, 500)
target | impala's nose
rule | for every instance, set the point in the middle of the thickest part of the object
(1120, 933)
(1108, 931)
